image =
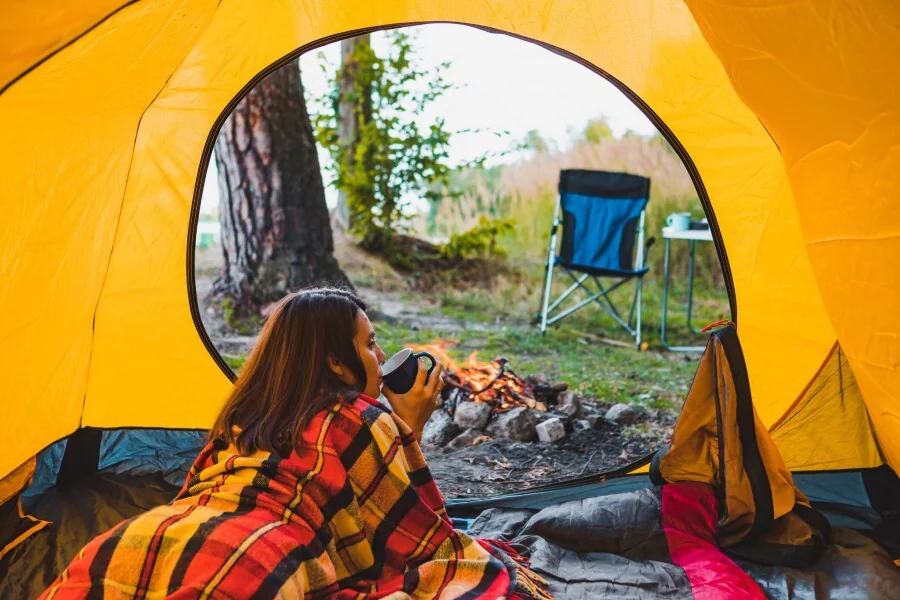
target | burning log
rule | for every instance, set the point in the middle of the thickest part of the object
(493, 383)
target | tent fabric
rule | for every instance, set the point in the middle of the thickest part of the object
(833, 405)
(719, 441)
(110, 119)
(53, 24)
(836, 121)
(15, 525)
(168, 453)
(78, 513)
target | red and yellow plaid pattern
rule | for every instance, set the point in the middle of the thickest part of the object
(352, 513)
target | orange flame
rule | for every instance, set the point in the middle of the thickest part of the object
(502, 389)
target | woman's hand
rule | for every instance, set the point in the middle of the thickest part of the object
(416, 405)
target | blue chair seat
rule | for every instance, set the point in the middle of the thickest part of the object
(600, 272)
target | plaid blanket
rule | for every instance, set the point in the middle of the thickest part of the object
(352, 513)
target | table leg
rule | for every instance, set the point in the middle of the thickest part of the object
(665, 294)
(690, 290)
(665, 302)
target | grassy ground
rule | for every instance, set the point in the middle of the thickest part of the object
(575, 350)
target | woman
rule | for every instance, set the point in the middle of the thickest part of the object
(308, 487)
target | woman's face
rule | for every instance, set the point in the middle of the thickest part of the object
(370, 354)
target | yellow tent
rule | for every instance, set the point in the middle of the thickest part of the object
(787, 115)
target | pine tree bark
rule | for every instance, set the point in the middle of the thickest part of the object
(351, 112)
(276, 234)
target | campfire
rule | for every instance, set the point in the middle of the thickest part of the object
(484, 401)
(493, 383)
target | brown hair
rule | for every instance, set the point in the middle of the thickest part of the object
(286, 379)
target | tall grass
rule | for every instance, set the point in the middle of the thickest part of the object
(526, 192)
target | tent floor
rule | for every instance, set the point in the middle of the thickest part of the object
(80, 512)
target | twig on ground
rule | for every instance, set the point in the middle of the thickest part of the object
(590, 458)
(603, 340)
(494, 448)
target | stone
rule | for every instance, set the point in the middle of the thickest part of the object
(516, 424)
(622, 414)
(581, 425)
(439, 429)
(536, 379)
(571, 403)
(551, 430)
(541, 416)
(472, 415)
(570, 410)
(555, 413)
(593, 419)
(466, 438)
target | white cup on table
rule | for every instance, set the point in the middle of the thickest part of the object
(680, 221)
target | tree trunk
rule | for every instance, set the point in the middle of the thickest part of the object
(276, 235)
(350, 113)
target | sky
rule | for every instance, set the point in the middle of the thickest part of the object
(502, 84)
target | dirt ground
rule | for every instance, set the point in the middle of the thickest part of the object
(499, 466)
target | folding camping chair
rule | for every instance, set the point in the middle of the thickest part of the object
(602, 217)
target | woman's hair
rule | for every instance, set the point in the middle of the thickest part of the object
(286, 379)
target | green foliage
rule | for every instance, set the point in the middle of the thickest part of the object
(534, 141)
(479, 241)
(228, 311)
(238, 322)
(397, 156)
(596, 130)
(235, 362)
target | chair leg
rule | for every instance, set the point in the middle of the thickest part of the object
(551, 259)
(548, 283)
(637, 328)
(610, 308)
(561, 298)
(634, 299)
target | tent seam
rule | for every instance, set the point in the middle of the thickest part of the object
(53, 53)
(796, 402)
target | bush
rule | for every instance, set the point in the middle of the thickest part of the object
(479, 241)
